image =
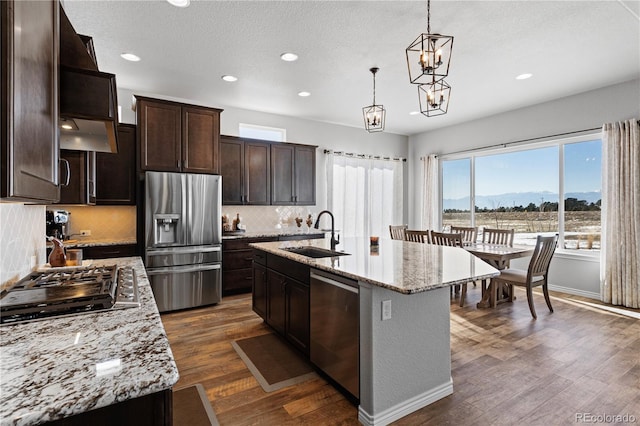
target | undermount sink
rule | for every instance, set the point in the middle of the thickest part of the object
(315, 252)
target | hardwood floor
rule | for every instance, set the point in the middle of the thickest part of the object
(506, 368)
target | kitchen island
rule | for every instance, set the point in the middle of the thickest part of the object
(405, 358)
(116, 364)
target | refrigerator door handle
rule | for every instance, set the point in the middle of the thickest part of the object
(177, 250)
(186, 270)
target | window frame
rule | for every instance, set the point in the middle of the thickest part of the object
(526, 146)
(283, 132)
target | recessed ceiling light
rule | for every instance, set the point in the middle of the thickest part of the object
(304, 94)
(414, 113)
(524, 76)
(179, 3)
(289, 57)
(229, 78)
(130, 57)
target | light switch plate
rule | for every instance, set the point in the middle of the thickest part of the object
(386, 310)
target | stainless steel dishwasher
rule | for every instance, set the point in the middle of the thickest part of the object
(335, 325)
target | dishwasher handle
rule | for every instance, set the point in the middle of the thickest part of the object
(334, 283)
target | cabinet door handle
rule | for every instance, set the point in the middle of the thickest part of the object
(248, 258)
(68, 178)
(178, 164)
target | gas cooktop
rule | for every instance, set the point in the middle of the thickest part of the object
(69, 292)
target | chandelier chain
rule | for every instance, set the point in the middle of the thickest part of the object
(374, 88)
(428, 16)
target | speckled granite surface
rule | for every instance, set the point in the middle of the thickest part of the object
(272, 233)
(97, 242)
(60, 367)
(400, 266)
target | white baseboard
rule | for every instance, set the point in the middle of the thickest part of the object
(406, 407)
(575, 292)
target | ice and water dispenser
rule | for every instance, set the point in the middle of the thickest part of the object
(166, 229)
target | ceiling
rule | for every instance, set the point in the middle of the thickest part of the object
(568, 46)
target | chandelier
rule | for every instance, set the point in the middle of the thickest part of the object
(374, 115)
(428, 59)
(434, 98)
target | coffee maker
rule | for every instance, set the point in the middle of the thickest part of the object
(58, 224)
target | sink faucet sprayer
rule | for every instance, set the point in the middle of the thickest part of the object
(334, 241)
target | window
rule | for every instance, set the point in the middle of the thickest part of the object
(364, 194)
(522, 189)
(262, 132)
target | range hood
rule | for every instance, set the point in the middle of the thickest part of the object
(88, 98)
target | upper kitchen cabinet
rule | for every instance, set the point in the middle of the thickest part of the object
(80, 185)
(29, 35)
(245, 168)
(176, 137)
(293, 174)
(116, 173)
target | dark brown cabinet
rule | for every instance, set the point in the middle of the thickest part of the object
(283, 301)
(237, 257)
(245, 166)
(293, 174)
(29, 100)
(108, 252)
(176, 137)
(81, 185)
(116, 173)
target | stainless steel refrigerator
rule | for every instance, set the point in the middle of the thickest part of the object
(183, 237)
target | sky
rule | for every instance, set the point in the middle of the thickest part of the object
(533, 170)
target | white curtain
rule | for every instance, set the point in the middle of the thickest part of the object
(620, 253)
(364, 194)
(430, 193)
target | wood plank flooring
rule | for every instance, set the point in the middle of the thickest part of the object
(507, 368)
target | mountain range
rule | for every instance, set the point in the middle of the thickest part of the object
(517, 199)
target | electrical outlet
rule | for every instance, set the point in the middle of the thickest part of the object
(85, 232)
(386, 310)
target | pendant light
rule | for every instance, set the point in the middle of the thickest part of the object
(434, 98)
(374, 115)
(429, 55)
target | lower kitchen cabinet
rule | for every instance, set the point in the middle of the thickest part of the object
(107, 252)
(281, 297)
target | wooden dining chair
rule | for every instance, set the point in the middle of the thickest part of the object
(535, 276)
(498, 236)
(397, 231)
(453, 239)
(417, 236)
(469, 234)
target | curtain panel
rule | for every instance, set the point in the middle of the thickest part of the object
(620, 253)
(430, 193)
(364, 194)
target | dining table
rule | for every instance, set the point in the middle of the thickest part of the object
(498, 256)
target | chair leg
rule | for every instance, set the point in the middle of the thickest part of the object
(530, 300)
(545, 290)
(463, 295)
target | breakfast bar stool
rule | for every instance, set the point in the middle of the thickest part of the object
(397, 231)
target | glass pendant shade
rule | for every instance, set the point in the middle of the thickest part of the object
(374, 117)
(434, 98)
(428, 58)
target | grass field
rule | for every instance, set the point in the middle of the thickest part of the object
(582, 228)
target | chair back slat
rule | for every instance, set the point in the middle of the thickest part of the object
(498, 236)
(469, 234)
(417, 236)
(397, 231)
(542, 255)
(446, 239)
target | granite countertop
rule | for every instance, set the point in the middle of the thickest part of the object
(87, 242)
(272, 233)
(59, 367)
(401, 266)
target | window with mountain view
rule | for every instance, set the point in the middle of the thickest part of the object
(522, 190)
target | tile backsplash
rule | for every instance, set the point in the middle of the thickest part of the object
(104, 222)
(22, 236)
(266, 218)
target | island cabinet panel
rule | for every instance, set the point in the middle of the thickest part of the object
(297, 321)
(293, 174)
(259, 301)
(116, 172)
(29, 35)
(175, 137)
(276, 304)
(245, 166)
(237, 257)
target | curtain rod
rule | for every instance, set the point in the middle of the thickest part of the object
(375, 157)
(520, 142)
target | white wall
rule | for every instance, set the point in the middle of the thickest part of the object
(308, 132)
(573, 113)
